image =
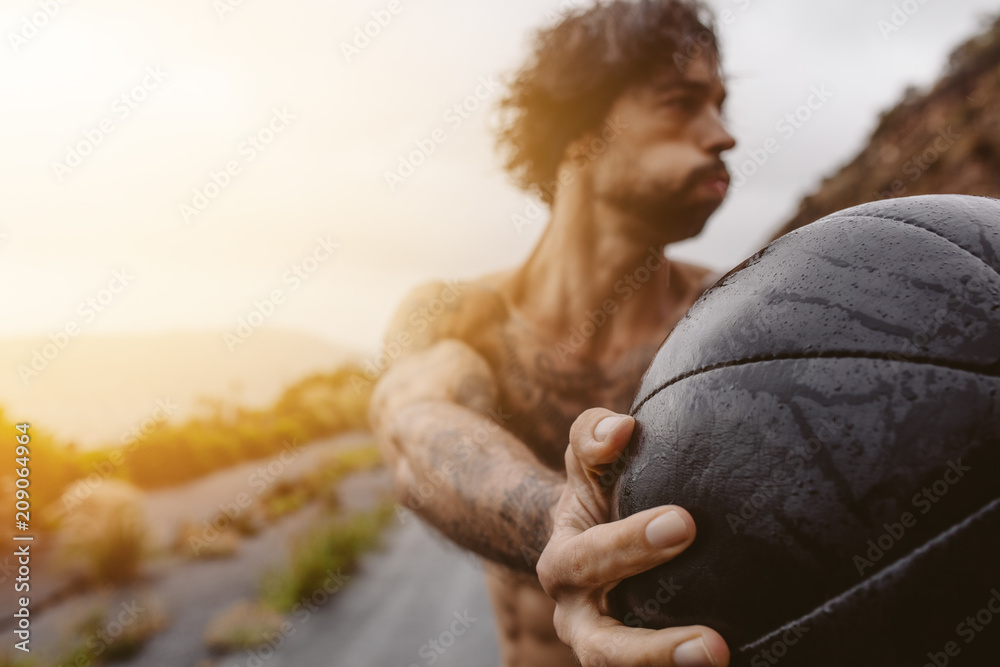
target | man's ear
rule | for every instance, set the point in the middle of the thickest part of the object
(577, 154)
(576, 147)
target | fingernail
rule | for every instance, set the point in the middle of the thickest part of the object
(606, 426)
(666, 530)
(693, 653)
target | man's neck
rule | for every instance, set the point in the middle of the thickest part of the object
(592, 260)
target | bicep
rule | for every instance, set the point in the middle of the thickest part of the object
(436, 370)
(448, 371)
(433, 360)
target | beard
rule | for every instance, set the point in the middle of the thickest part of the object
(668, 209)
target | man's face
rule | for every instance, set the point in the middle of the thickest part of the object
(665, 168)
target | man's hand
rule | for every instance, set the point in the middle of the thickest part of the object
(587, 556)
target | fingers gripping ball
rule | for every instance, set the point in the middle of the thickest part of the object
(829, 413)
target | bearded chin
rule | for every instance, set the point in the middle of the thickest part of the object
(668, 214)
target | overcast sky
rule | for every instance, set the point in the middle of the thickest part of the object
(116, 113)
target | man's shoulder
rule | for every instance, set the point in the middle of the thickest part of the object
(697, 278)
(465, 310)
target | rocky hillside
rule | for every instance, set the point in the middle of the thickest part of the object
(942, 141)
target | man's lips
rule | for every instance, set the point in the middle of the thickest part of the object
(717, 182)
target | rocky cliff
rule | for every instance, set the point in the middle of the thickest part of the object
(945, 140)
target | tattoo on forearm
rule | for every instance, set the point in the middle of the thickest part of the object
(471, 487)
(528, 508)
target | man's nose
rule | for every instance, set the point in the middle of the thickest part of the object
(716, 138)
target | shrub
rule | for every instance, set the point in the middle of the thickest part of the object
(101, 637)
(104, 530)
(330, 547)
(244, 625)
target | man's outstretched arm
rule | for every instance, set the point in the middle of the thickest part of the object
(439, 425)
(460, 470)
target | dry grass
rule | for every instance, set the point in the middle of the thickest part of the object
(244, 625)
(195, 541)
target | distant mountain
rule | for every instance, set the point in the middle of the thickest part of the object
(942, 141)
(99, 387)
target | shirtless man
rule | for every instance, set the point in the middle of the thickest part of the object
(488, 419)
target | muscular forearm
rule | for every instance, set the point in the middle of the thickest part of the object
(465, 474)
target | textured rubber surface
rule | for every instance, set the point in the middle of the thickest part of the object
(829, 412)
(929, 607)
(897, 277)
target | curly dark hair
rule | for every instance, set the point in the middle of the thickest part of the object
(581, 66)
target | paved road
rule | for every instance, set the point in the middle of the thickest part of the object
(418, 589)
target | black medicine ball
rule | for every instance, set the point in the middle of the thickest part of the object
(829, 413)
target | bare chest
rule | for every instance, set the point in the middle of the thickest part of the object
(545, 386)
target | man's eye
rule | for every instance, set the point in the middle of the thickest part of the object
(683, 103)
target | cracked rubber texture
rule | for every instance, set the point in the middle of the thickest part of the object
(799, 412)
